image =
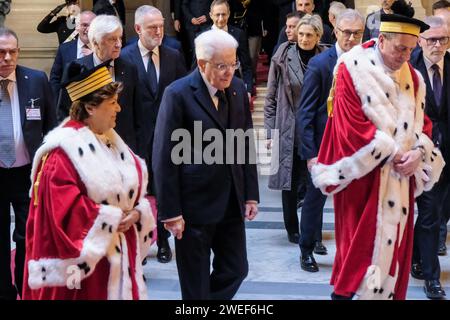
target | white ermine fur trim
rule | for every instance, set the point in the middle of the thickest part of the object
(347, 169)
(398, 115)
(48, 272)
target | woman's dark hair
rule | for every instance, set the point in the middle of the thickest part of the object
(78, 110)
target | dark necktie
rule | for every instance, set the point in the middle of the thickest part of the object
(437, 84)
(7, 145)
(151, 73)
(222, 108)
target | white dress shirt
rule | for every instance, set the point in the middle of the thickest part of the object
(155, 57)
(339, 50)
(212, 91)
(22, 156)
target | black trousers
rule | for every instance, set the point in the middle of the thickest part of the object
(444, 221)
(226, 240)
(289, 197)
(14, 186)
(430, 204)
(312, 218)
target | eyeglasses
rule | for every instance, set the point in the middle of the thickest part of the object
(348, 33)
(224, 66)
(12, 52)
(433, 41)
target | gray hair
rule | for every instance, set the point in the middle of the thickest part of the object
(349, 14)
(315, 21)
(103, 25)
(212, 41)
(144, 10)
(336, 8)
(435, 22)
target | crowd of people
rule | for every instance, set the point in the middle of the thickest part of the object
(356, 108)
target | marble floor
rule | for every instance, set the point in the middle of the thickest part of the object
(274, 269)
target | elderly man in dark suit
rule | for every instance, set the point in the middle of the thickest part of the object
(311, 119)
(26, 114)
(72, 50)
(206, 191)
(158, 66)
(105, 35)
(433, 62)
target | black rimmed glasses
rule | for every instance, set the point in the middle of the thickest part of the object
(433, 41)
(348, 33)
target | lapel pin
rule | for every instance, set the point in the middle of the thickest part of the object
(26, 77)
(234, 93)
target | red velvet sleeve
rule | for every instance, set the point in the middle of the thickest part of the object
(348, 129)
(64, 213)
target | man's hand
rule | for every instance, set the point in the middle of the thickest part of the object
(408, 163)
(195, 22)
(251, 210)
(269, 144)
(310, 163)
(177, 25)
(176, 227)
(202, 19)
(55, 11)
(128, 219)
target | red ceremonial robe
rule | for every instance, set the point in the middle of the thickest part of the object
(73, 250)
(371, 120)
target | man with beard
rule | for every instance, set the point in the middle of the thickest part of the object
(158, 66)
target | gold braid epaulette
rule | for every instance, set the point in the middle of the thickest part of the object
(38, 179)
(331, 98)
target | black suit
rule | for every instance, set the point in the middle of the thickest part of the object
(211, 197)
(67, 52)
(172, 67)
(15, 182)
(194, 9)
(130, 119)
(105, 7)
(311, 119)
(431, 204)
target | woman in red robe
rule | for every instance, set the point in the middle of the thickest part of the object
(89, 225)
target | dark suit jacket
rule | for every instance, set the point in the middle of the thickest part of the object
(67, 52)
(243, 54)
(130, 119)
(33, 84)
(311, 117)
(105, 7)
(175, 7)
(200, 192)
(172, 67)
(194, 9)
(439, 115)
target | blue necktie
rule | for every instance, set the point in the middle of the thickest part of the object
(7, 145)
(437, 84)
(151, 73)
